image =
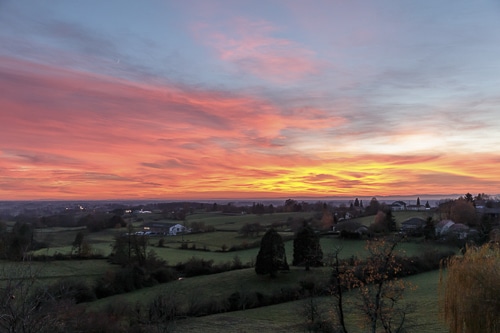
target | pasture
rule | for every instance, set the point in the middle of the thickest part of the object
(226, 236)
(215, 246)
(289, 316)
(281, 317)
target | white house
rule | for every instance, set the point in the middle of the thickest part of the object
(398, 205)
(177, 228)
(155, 228)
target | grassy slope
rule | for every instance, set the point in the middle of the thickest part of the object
(246, 279)
(215, 286)
(399, 216)
(60, 239)
(235, 222)
(276, 318)
(52, 271)
(288, 317)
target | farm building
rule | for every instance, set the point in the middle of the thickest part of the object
(413, 225)
(450, 228)
(443, 226)
(160, 228)
(398, 206)
(460, 230)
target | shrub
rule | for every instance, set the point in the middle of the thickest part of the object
(164, 274)
(70, 289)
(196, 266)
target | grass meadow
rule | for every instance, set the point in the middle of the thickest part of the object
(289, 317)
(208, 246)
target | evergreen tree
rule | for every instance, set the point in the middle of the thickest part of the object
(272, 256)
(390, 220)
(78, 242)
(306, 248)
(418, 201)
(429, 229)
(373, 208)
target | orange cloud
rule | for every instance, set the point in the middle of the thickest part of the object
(67, 135)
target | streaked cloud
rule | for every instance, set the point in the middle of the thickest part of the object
(253, 48)
(235, 100)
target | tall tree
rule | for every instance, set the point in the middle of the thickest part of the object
(469, 197)
(470, 291)
(418, 201)
(271, 257)
(373, 208)
(379, 290)
(78, 243)
(463, 211)
(429, 229)
(20, 241)
(306, 248)
(390, 220)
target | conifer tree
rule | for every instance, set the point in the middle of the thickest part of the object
(306, 248)
(272, 256)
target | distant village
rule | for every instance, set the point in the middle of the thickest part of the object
(467, 217)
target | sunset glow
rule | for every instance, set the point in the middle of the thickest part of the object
(223, 99)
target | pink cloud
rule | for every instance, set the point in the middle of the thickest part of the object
(79, 132)
(252, 48)
(68, 134)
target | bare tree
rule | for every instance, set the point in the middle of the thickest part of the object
(25, 306)
(379, 289)
(162, 312)
(340, 275)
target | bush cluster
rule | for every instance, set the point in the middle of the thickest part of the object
(198, 266)
(428, 261)
(62, 256)
(130, 278)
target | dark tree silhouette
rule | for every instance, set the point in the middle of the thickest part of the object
(373, 208)
(390, 220)
(272, 256)
(429, 229)
(306, 248)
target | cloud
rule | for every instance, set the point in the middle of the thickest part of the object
(81, 135)
(252, 48)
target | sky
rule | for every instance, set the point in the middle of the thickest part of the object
(208, 99)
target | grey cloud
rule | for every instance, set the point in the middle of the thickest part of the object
(169, 164)
(42, 158)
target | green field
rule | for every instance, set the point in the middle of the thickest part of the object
(287, 317)
(208, 246)
(227, 226)
(235, 222)
(399, 216)
(278, 318)
(53, 271)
